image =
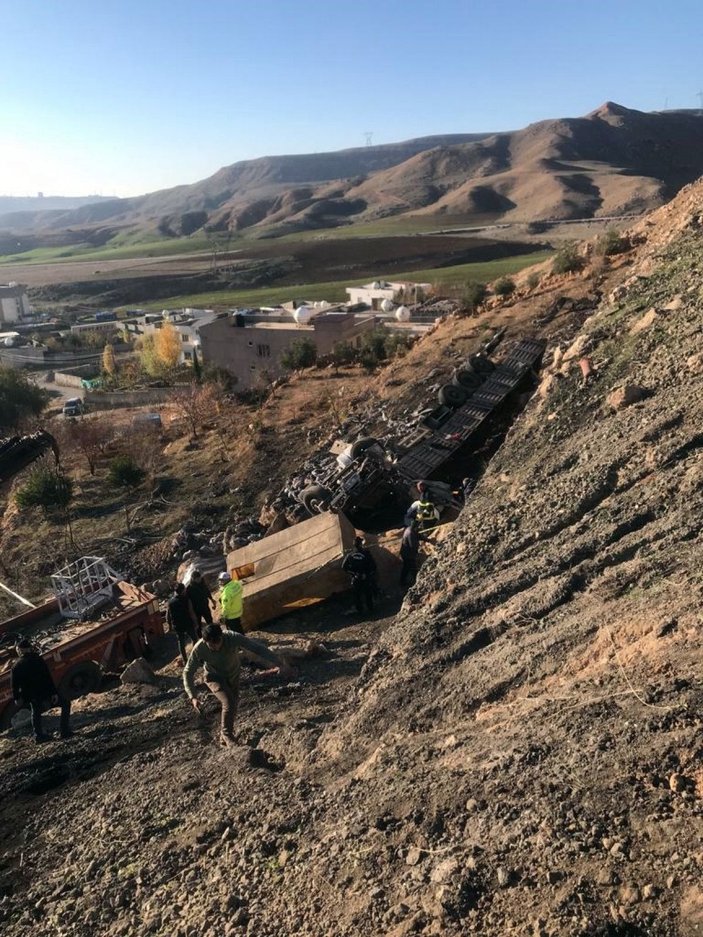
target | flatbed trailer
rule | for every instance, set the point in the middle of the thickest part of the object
(77, 650)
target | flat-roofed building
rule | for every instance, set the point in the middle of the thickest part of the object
(249, 345)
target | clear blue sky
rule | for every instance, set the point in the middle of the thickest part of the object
(128, 96)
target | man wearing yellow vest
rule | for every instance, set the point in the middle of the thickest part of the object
(231, 602)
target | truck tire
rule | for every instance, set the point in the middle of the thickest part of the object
(361, 445)
(481, 365)
(466, 378)
(80, 679)
(452, 396)
(315, 498)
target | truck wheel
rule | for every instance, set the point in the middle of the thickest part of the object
(361, 445)
(315, 498)
(452, 396)
(466, 378)
(80, 679)
(481, 365)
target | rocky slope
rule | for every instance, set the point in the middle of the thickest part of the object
(521, 752)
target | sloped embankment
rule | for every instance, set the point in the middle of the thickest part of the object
(531, 725)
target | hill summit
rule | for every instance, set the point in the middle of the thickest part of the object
(613, 161)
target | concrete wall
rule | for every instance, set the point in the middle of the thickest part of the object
(113, 399)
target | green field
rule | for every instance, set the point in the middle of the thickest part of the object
(125, 250)
(333, 291)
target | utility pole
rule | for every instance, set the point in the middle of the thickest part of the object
(368, 134)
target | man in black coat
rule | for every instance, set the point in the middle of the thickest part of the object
(201, 599)
(33, 686)
(361, 566)
(181, 619)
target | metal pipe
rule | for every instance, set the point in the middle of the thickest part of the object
(16, 596)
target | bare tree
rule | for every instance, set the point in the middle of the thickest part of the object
(197, 403)
(89, 437)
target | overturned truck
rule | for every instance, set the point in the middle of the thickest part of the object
(371, 482)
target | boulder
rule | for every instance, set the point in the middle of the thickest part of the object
(139, 671)
(625, 396)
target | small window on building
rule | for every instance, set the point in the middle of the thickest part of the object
(263, 351)
(188, 355)
(184, 338)
(251, 344)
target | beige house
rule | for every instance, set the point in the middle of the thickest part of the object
(14, 304)
(375, 294)
(250, 345)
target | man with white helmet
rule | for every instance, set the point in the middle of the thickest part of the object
(231, 602)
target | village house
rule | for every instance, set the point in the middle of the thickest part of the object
(382, 295)
(249, 344)
(14, 304)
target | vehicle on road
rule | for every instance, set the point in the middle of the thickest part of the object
(73, 407)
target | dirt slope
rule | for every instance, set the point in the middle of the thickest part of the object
(521, 752)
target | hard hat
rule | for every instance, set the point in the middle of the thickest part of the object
(224, 577)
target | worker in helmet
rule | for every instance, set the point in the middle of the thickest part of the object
(231, 601)
(218, 652)
(423, 510)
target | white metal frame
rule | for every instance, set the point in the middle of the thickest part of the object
(83, 586)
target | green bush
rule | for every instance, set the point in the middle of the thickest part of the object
(504, 286)
(610, 243)
(302, 353)
(47, 489)
(567, 260)
(533, 281)
(474, 294)
(19, 397)
(124, 472)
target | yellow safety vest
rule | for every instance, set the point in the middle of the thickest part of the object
(231, 599)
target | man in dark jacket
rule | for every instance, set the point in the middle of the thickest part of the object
(361, 566)
(181, 619)
(200, 598)
(409, 548)
(33, 686)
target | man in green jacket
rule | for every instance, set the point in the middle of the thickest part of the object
(231, 602)
(218, 652)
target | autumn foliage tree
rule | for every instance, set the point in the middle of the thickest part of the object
(167, 343)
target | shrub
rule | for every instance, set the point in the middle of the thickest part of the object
(504, 286)
(567, 260)
(302, 353)
(125, 473)
(47, 489)
(474, 294)
(533, 281)
(19, 397)
(610, 243)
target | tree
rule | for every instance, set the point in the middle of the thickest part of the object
(474, 294)
(90, 437)
(343, 353)
(109, 363)
(148, 357)
(19, 397)
(504, 286)
(197, 369)
(302, 353)
(197, 404)
(46, 488)
(167, 344)
(125, 473)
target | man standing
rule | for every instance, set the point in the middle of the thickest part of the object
(362, 568)
(181, 618)
(231, 602)
(423, 510)
(409, 548)
(201, 599)
(33, 686)
(219, 653)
